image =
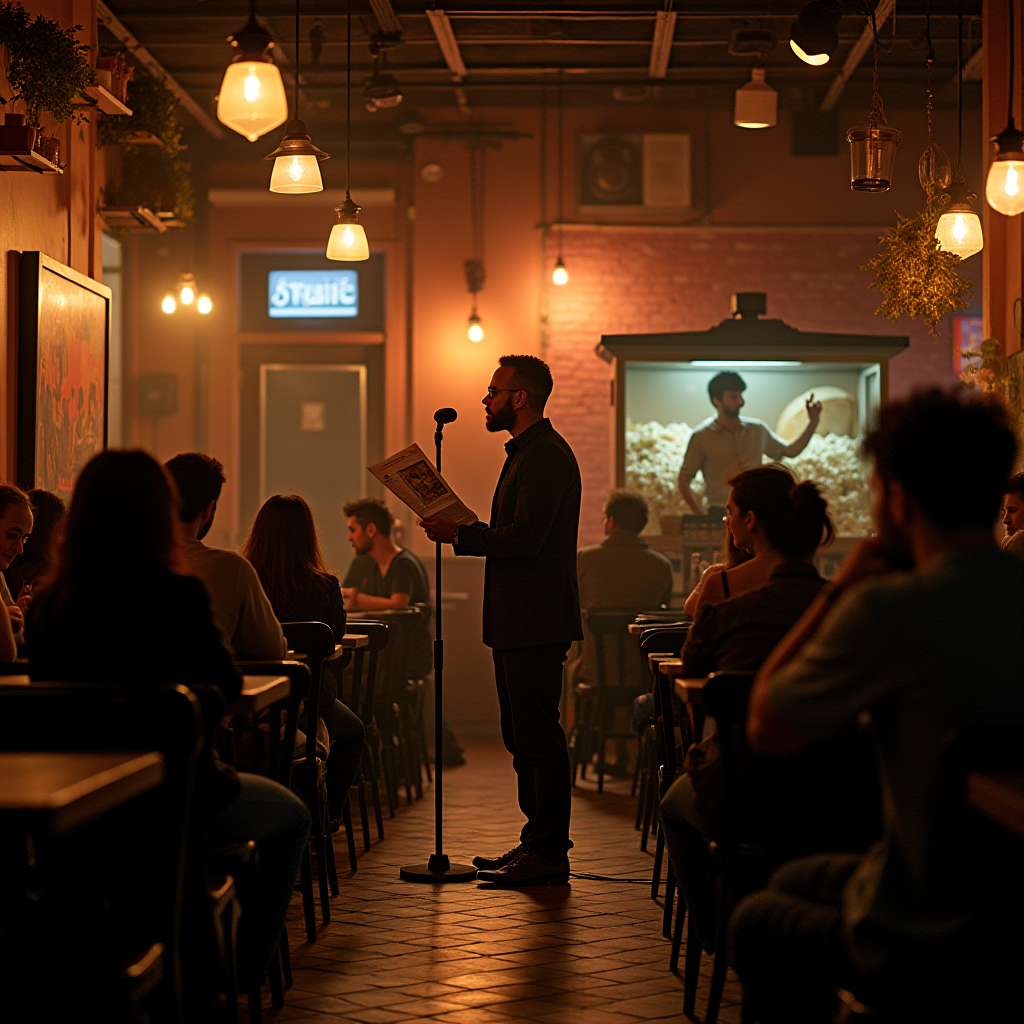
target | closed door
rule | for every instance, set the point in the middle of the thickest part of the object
(313, 443)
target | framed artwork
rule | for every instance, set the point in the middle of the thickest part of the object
(63, 347)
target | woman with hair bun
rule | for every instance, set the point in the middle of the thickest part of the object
(784, 523)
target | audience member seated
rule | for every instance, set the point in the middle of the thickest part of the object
(733, 556)
(121, 613)
(33, 565)
(785, 522)
(383, 575)
(1013, 516)
(922, 628)
(241, 610)
(16, 523)
(284, 549)
(621, 572)
(747, 573)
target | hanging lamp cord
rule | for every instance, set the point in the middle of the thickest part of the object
(348, 103)
(561, 157)
(1013, 54)
(296, 60)
(959, 84)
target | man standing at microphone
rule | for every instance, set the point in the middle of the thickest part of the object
(531, 611)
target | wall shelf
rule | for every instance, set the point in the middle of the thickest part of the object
(27, 160)
(106, 102)
(143, 139)
(133, 218)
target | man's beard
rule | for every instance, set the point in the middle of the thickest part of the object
(503, 419)
(895, 543)
(363, 549)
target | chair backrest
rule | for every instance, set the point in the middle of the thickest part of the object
(364, 687)
(316, 641)
(393, 668)
(610, 628)
(91, 717)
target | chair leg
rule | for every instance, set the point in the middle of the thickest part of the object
(677, 935)
(321, 872)
(332, 866)
(387, 766)
(375, 774)
(286, 960)
(602, 742)
(659, 856)
(670, 891)
(364, 815)
(350, 836)
(639, 783)
(421, 699)
(276, 989)
(255, 1005)
(693, 955)
(308, 899)
(718, 971)
(640, 751)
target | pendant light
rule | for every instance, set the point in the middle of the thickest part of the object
(959, 227)
(476, 330)
(473, 268)
(757, 103)
(348, 239)
(187, 289)
(1004, 188)
(252, 100)
(296, 160)
(814, 36)
(873, 142)
(560, 275)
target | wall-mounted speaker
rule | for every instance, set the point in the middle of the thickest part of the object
(633, 169)
(157, 394)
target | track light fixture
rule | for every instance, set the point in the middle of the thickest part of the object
(814, 36)
(381, 90)
(757, 103)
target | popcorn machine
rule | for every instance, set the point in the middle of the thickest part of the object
(659, 397)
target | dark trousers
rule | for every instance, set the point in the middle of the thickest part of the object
(347, 740)
(529, 682)
(787, 944)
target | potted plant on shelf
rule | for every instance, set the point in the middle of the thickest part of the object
(48, 69)
(153, 172)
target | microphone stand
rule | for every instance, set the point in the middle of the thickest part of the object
(438, 868)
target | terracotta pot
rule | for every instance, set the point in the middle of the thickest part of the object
(15, 135)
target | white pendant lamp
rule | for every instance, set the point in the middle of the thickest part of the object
(1004, 188)
(348, 239)
(252, 100)
(757, 103)
(296, 160)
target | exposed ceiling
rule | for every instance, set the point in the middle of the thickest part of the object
(474, 55)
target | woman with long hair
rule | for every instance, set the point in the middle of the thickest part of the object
(16, 525)
(33, 565)
(284, 549)
(116, 610)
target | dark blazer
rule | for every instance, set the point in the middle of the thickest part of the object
(531, 595)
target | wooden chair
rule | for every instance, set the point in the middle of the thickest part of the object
(316, 641)
(361, 698)
(131, 904)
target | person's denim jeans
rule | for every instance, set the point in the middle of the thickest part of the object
(279, 823)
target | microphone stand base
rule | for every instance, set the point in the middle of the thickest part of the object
(437, 869)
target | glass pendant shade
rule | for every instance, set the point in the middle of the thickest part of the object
(1004, 187)
(348, 239)
(872, 155)
(296, 162)
(757, 103)
(814, 36)
(476, 330)
(168, 305)
(560, 275)
(959, 231)
(252, 101)
(205, 304)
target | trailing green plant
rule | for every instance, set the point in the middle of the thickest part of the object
(916, 277)
(157, 177)
(45, 64)
(989, 371)
(154, 110)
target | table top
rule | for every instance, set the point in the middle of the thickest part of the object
(55, 792)
(637, 628)
(350, 641)
(688, 688)
(259, 692)
(655, 658)
(999, 797)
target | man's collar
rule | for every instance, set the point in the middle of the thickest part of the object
(529, 434)
(715, 425)
(624, 537)
(793, 570)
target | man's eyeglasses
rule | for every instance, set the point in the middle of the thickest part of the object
(492, 392)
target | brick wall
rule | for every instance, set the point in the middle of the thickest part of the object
(635, 281)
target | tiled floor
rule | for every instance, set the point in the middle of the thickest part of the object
(396, 951)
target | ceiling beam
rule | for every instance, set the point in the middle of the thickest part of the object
(106, 18)
(449, 46)
(856, 54)
(387, 20)
(661, 45)
(973, 66)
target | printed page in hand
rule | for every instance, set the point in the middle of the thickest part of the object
(410, 476)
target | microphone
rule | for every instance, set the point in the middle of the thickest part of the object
(443, 416)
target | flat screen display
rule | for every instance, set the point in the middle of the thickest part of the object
(312, 294)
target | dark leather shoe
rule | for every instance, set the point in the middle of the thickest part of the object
(528, 868)
(493, 863)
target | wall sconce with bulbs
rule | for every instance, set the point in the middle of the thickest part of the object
(186, 289)
(252, 101)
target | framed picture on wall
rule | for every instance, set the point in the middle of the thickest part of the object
(63, 347)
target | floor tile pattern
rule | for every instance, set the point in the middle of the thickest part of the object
(588, 953)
